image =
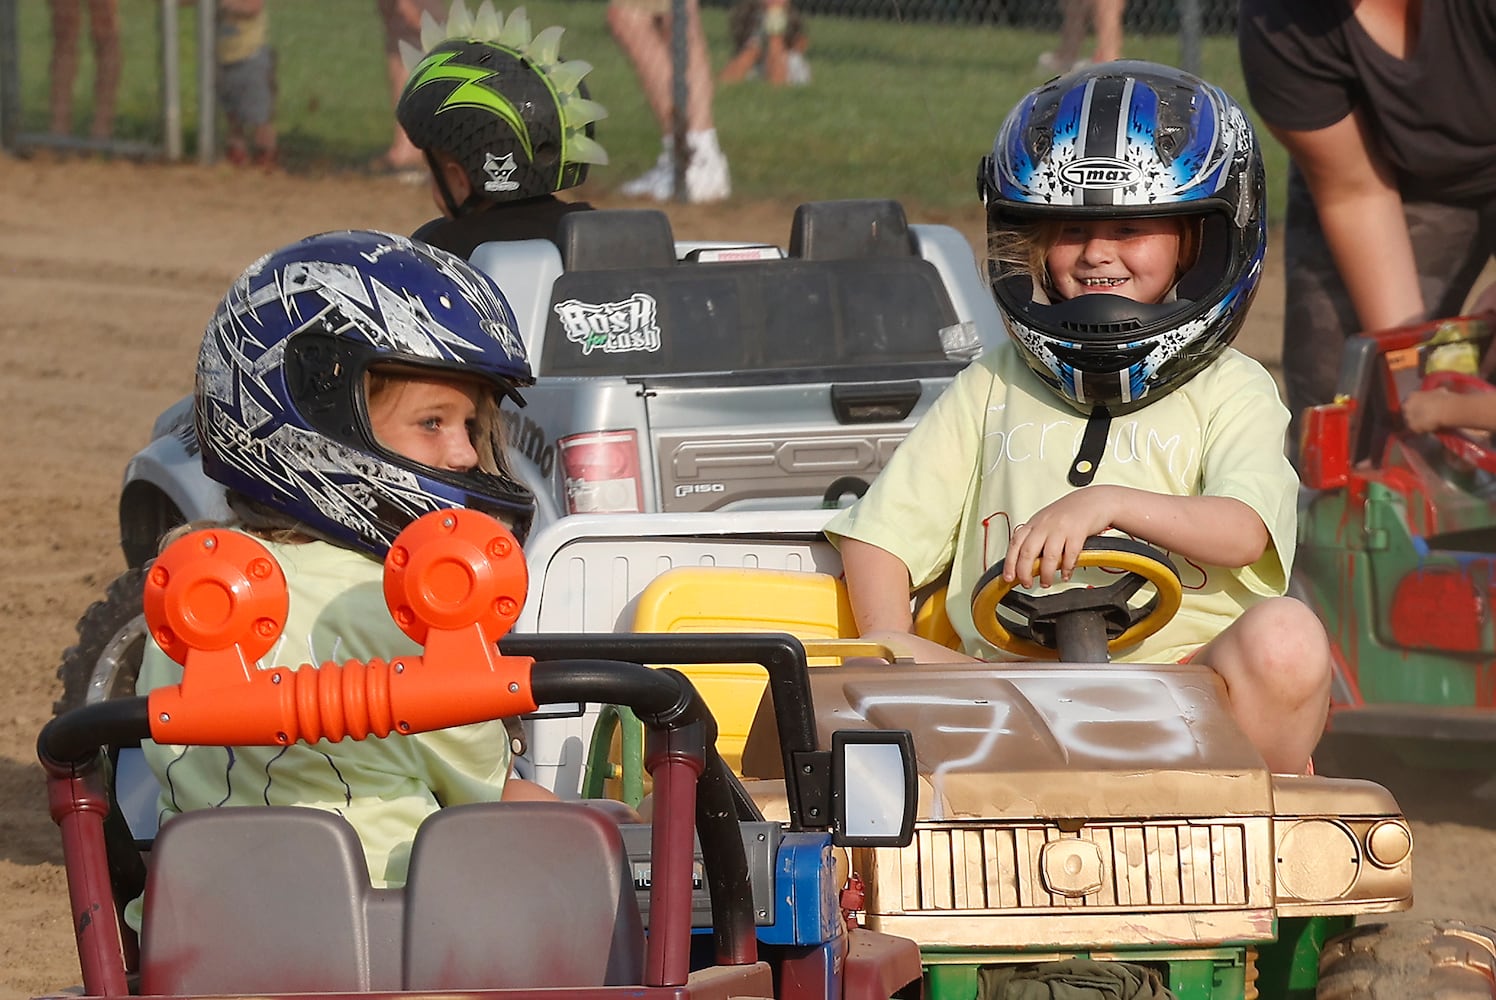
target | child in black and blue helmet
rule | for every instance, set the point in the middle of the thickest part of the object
(1125, 215)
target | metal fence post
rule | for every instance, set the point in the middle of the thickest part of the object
(207, 82)
(171, 96)
(1190, 30)
(679, 92)
(10, 75)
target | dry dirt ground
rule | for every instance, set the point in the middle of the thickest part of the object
(108, 272)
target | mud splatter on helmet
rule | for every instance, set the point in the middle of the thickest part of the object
(503, 104)
(280, 406)
(1118, 140)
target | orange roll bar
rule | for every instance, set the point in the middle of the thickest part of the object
(216, 601)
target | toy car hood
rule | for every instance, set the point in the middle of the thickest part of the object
(1033, 739)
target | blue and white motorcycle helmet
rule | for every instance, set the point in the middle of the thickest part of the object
(279, 404)
(1116, 140)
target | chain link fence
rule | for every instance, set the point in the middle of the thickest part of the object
(904, 97)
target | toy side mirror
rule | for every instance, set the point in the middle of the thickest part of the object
(873, 789)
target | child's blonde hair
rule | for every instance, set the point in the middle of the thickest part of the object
(1022, 248)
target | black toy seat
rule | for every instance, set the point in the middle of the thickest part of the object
(615, 238)
(850, 229)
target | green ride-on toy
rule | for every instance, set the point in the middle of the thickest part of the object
(1397, 551)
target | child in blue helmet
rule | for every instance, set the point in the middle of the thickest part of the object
(1125, 210)
(347, 384)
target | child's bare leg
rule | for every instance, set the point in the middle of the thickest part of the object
(1106, 19)
(740, 65)
(103, 24)
(1072, 32)
(66, 24)
(1275, 660)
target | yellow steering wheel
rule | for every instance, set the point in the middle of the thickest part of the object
(1081, 624)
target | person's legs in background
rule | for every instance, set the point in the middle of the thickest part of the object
(1106, 19)
(642, 28)
(402, 20)
(103, 29)
(247, 92)
(1066, 55)
(66, 23)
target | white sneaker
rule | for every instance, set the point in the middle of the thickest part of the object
(1049, 62)
(658, 182)
(797, 69)
(707, 177)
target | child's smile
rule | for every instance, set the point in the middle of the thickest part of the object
(1135, 258)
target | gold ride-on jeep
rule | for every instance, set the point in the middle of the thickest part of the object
(1074, 810)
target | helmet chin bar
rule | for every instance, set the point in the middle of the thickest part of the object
(1102, 312)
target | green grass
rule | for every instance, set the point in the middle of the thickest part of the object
(894, 109)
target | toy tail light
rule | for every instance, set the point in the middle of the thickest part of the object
(1437, 609)
(1325, 448)
(601, 473)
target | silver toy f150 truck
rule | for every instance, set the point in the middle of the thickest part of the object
(671, 377)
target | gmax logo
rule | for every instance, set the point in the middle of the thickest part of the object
(1100, 173)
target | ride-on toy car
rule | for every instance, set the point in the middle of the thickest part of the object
(502, 899)
(1068, 810)
(1397, 550)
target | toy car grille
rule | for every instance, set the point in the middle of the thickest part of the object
(981, 867)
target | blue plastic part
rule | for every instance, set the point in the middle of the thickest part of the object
(807, 903)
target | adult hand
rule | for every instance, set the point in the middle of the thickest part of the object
(1427, 410)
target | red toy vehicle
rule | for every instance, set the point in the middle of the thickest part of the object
(506, 899)
(1397, 549)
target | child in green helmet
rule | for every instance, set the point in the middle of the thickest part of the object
(518, 130)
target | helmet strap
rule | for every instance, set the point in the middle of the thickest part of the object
(434, 165)
(1092, 447)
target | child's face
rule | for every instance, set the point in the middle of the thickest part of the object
(430, 420)
(1134, 258)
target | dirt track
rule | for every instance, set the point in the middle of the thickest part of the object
(107, 275)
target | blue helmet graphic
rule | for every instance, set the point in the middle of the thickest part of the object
(280, 405)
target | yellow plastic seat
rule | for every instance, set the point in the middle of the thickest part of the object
(931, 622)
(729, 599)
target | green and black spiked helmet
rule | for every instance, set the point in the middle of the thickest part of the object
(503, 104)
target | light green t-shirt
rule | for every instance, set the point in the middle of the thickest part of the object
(997, 446)
(383, 787)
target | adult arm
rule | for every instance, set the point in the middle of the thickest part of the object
(1437, 409)
(1361, 213)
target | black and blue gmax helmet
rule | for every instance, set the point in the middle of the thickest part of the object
(280, 406)
(1117, 140)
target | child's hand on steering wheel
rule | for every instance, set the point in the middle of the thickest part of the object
(1056, 535)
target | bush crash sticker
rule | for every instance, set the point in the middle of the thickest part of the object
(611, 327)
